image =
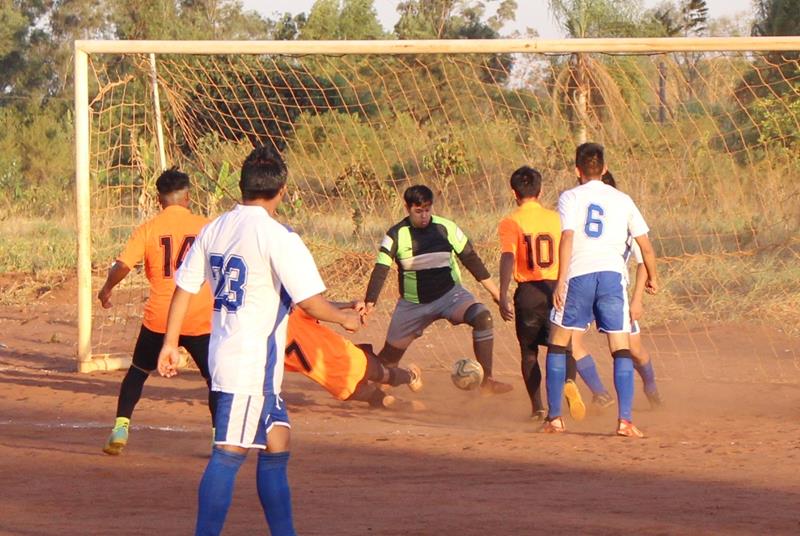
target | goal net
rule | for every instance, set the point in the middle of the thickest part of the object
(703, 134)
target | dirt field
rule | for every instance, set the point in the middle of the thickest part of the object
(721, 458)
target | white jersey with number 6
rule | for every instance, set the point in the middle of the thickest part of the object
(256, 268)
(602, 219)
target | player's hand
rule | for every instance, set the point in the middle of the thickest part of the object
(651, 286)
(358, 305)
(105, 298)
(368, 308)
(636, 310)
(559, 295)
(168, 360)
(351, 321)
(506, 312)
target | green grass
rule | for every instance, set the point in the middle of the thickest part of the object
(33, 245)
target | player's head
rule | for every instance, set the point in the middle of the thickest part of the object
(526, 183)
(263, 175)
(608, 178)
(173, 188)
(589, 161)
(419, 204)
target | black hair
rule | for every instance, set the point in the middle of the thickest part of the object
(608, 178)
(172, 180)
(589, 159)
(263, 174)
(419, 194)
(526, 182)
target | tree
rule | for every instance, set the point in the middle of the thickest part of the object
(342, 19)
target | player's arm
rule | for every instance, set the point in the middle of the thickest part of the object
(168, 358)
(132, 254)
(466, 253)
(649, 257)
(508, 232)
(564, 256)
(386, 255)
(116, 273)
(321, 309)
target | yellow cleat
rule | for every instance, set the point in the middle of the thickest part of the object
(116, 441)
(577, 409)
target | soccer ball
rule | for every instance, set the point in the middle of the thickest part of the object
(467, 374)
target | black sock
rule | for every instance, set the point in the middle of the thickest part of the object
(130, 391)
(532, 374)
(572, 367)
(483, 353)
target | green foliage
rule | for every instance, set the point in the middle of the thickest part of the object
(447, 160)
(364, 191)
(342, 19)
(778, 118)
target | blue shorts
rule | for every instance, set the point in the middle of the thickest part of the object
(598, 296)
(245, 420)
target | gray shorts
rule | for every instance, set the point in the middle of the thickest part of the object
(409, 320)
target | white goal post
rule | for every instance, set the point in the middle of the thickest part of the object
(87, 361)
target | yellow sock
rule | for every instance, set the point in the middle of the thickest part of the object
(122, 421)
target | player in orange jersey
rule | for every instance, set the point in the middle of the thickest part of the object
(344, 369)
(161, 242)
(529, 239)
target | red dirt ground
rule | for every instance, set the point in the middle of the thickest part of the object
(721, 458)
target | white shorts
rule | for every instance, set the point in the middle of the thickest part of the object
(245, 420)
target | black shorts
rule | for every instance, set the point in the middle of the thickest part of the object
(148, 346)
(532, 303)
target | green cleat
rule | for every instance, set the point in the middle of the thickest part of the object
(116, 441)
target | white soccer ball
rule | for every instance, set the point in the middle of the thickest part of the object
(467, 374)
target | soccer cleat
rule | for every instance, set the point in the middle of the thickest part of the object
(603, 400)
(416, 378)
(116, 441)
(490, 386)
(554, 426)
(654, 398)
(577, 409)
(538, 415)
(627, 429)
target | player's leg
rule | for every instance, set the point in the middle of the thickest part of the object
(394, 376)
(197, 346)
(644, 366)
(408, 322)
(575, 315)
(529, 327)
(272, 479)
(145, 359)
(587, 369)
(239, 426)
(613, 318)
(459, 306)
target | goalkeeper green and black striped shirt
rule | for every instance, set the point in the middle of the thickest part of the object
(426, 264)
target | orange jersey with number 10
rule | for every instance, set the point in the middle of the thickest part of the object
(162, 242)
(323, 355)
(532, 233)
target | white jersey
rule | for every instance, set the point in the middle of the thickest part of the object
(256, 268)
(632, 249)
(602, 219)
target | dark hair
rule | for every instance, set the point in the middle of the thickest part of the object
(526, 182)
(608, 178)
(589, 159)
(172, 180)
(263, 174)
(419, 194)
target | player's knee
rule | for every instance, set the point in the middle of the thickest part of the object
(479, 317)
(622, 353)
(390, 355)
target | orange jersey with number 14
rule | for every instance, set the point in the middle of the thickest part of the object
(323, 355)
(532, 233)
(162, 242)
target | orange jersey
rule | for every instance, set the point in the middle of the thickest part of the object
(532, 233)
(162, 242)
(323, 355)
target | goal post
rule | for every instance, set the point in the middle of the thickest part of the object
(358, 121)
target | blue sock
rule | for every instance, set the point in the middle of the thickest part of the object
(216, 491)
(648, 376)
(588, 372)
(554, 380)
(273, 490)
(623, 383)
